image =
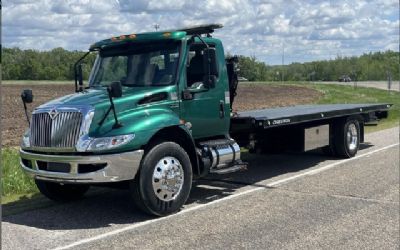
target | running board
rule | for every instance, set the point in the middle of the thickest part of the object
(234, 168)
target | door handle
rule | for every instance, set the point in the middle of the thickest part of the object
(221, 109)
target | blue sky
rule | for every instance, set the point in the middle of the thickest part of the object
(304, 30)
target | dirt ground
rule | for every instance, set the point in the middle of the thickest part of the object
(13, 120)
(259, 96)
(250, 96)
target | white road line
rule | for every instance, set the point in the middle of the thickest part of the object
(272, 184)
(323, 168)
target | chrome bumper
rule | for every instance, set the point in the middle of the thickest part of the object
(75, 168)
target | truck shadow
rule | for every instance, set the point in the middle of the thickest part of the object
(106, 207)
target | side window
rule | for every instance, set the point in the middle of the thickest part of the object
(195, 71)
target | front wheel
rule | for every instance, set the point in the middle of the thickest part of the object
(61, 192)
(164, 180)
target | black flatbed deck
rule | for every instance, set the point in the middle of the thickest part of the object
(275, 117)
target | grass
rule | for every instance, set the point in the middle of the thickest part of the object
(349, 94)
(14, 182)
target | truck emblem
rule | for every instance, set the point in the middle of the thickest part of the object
(53, 114)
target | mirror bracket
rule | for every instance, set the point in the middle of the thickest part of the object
(114, 91)
(78, 73)
(210, 81)
(27, 97)
(187, 95)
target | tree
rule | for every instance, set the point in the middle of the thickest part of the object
(57, 64)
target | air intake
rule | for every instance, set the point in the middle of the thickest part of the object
(56, 130)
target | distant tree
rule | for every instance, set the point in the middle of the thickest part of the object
(57, 64)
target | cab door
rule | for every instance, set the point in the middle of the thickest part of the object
(206, 109)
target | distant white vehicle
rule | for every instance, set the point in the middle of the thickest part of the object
(344, 78)
(242, 79)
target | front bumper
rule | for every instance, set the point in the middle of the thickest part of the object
(81, 169)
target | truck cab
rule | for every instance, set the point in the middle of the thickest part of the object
(167, 90)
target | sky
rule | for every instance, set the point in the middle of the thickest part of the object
(273, 31)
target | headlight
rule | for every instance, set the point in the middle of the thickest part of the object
(84, 139)
(86, 123)
(26, 142)
(106, 143)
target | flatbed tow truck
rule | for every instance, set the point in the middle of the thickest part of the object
(157, 113)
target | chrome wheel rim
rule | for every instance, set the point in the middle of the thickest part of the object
(168, 178)
(352, 137)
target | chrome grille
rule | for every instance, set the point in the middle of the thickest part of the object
(60, 132)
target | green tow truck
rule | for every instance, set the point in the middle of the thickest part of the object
(157, 113)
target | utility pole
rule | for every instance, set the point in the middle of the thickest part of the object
(368, 60)
(156, 26)
(389, 79)
(283, 61)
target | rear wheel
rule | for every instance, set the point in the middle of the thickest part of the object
(61, 192)
(347, 138)
(164, 180)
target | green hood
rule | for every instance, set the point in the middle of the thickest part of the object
(141, 110)
(98, 97)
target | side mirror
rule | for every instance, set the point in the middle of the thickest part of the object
(210, 67)
(115, 89)
(27, 96)
(210, 62)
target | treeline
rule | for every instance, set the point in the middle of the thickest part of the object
(57, 64)
(372, 66)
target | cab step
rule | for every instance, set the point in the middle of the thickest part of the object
(238, 166)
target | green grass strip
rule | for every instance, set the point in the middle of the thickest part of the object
(14, 181)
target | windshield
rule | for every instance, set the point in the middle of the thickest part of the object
(137, 65)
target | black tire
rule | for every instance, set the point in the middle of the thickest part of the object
(142, 189)
(61, 193)
(344, 147)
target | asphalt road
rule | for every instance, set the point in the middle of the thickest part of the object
(291, 201)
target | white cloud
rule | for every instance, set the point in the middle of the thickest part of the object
(307, 30)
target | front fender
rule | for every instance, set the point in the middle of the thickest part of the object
(143, 123)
